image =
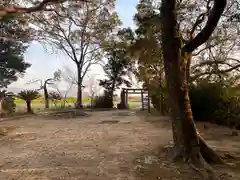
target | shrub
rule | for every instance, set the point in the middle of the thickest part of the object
(56, 98)
(104, 101)
(7, 102)
(157, 103)
(122, 106)
(28, 96)
(228, 113)
(212, 102)
(205, 99)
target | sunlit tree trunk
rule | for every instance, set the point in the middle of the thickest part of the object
(187, 142)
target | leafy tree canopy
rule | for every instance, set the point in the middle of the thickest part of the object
(14, 40)
(117, 66)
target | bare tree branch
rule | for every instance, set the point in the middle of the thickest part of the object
(42, 6)
(217, 72)
(202, 37)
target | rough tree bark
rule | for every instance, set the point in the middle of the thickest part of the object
(29, 108)
(162, 110)
(46, 97)
(45, 91)
(112, 91)
(79, 95)
(188, 143)
(79, 88)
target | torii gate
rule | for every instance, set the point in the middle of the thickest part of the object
(126, 91)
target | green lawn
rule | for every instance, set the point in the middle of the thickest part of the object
(41, 100)
(38, 104)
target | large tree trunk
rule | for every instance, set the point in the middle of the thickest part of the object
(186, 138)
(176, 84)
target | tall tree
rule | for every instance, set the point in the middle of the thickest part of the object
(191, 20)
(175, 53)
(207, 61)
(146, 49)
(115, 69)
(14, 39)
(79, 32)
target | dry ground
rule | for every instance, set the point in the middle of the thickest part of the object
(95, 147)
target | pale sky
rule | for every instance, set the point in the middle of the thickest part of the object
(45, 63)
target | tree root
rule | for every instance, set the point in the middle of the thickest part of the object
(198, 160)
(198, 163)
(195, 161)
(208, 153)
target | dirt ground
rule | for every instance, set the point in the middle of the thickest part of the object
(107, 145)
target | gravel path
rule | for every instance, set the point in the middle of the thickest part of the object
(107, 145)
(87, 148)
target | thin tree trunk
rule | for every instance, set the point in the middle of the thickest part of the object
(46, 97)
(112, 91)
(79, 96)
(79, 89)
(208, 153)
(29, 108)
(123, 100)
(161, 96)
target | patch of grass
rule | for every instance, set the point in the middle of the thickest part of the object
(38, 104)
(133, 104)
(40, 100)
